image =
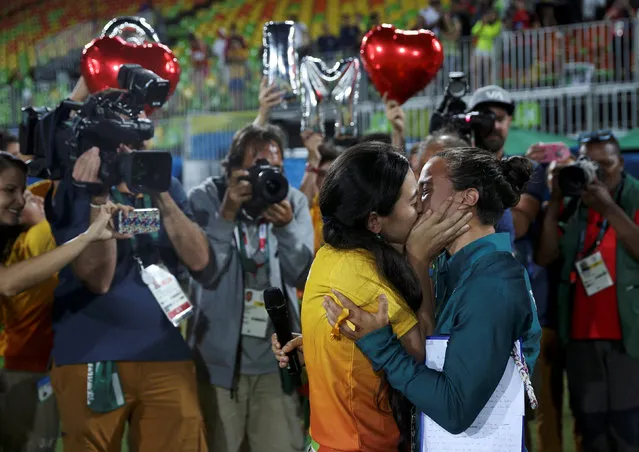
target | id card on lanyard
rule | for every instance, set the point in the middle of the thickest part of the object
(164, 287)
(255, 318)
(589, 265)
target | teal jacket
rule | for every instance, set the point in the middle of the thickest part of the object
(627, 279)
(484, 303)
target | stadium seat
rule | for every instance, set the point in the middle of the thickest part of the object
(27, 24)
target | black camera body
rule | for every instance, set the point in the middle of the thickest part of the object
(471, 126)
(269, 187)
(146, 87)
(56, 138)
(574, 178)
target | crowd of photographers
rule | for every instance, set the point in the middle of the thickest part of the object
(90, 310)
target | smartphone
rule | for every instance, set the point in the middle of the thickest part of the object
(554, 152)
(139, 221)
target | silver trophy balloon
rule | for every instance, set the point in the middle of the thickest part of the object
(280, 59)
(135, 30)
(337, 88)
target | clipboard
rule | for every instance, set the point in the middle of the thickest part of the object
(499, 427)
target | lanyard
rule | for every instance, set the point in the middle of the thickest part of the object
(247, 253)
(582, 238)
(146, 202)
(602, 230)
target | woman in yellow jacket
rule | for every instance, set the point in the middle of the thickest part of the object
(28, 277)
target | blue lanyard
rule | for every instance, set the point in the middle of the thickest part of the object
(582, 238)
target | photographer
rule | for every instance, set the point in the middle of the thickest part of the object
(28, 277)
(117, 357)
(595, 234)
(254, 245)
(497, 101)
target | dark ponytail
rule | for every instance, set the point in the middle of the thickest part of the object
(368, 178)
(516, 171)
(500, 183)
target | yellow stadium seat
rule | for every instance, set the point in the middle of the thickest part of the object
(36, 25)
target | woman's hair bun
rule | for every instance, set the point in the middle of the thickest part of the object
(517, 171)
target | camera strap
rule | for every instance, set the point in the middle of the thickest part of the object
(220, 184)
(582, 237)
(145, 204)
(241, 236)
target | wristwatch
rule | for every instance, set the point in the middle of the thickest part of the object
(311, 169)
(98, 205)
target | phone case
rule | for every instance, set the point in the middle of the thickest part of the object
(555, 152)
(139, 221)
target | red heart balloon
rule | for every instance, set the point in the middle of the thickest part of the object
(102, 58)
(401, 63)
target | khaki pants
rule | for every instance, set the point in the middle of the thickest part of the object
(26, 424)
(258, 411)
(161, 407)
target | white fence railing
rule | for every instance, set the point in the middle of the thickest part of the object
(563, 112)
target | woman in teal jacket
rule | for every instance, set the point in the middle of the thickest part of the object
(483, 299)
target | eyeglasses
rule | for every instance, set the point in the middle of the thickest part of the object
(599, 135)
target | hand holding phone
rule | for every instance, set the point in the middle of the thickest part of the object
(556, 152)
(549, 152)
(138, 221)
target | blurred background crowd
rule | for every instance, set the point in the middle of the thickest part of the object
(578, 58)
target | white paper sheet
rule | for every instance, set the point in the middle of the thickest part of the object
(498, 427)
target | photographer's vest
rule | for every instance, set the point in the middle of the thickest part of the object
(627, 278)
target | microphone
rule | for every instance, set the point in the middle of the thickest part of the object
(277, 309)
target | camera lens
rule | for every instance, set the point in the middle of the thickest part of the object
(273, 186)
(457, 88)
(147, 170)
(572, 180)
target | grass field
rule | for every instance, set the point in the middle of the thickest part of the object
(567, 426)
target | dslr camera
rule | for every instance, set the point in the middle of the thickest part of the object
(56, 138)
(471, 126)
(574, 178)
(269, 187)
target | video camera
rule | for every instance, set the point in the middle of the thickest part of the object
(471, 126)
(56, 138)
